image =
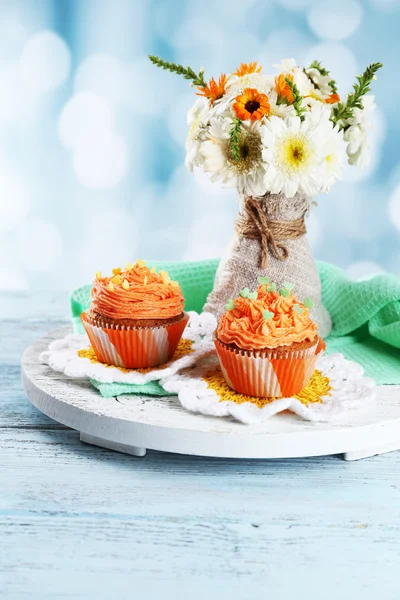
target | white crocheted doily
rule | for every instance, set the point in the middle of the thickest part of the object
(62, 356)
(350, 391)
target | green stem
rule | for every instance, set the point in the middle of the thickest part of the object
(186, 72)
(297, 98)
(345, 110)
(234, 137)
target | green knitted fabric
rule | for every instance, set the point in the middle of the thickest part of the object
(365, 314)
(108, 390)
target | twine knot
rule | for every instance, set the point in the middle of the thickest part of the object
(253, 224)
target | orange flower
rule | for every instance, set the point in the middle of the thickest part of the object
(245, 69)
(282, 88)
(214, 91)
(332, 99)
(251, 105)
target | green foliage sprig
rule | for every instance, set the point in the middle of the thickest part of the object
(317, 65)
(186, 72)
(345, 110)
(234, 138)
(297, 98)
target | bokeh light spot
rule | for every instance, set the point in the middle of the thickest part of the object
(104, 75)
(85, 116)
(14, 202)
(335, 19)
(394, 207)
(40, 245)
(101, 166)
(45, 61)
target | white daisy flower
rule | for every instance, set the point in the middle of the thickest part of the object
(195, 119)
(247, 173)
(259, 81)
(286, 65)
(333, 146)
(321, 82)
(278, 110)
(356, 136)
(292, 150)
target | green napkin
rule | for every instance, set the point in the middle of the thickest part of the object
(366, 321)
(365, 314)
(108, 390)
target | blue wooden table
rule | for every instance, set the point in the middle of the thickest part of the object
(77, 521)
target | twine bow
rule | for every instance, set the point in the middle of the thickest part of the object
(255, 225)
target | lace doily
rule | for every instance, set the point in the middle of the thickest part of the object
(343, 383)
(73, 356)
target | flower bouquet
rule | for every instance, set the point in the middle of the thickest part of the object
(280, 140)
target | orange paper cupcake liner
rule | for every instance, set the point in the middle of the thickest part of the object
(134, 347)
(268, 374)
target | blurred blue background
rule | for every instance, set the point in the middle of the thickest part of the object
(92, 135)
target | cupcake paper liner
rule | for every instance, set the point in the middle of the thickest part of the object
(268, 374)
(134, 347)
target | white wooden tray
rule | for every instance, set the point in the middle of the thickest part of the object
(131, 424)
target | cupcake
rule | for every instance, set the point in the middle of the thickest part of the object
(136, 317)
(266, 343)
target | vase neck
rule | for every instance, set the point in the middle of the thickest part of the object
(278, 207)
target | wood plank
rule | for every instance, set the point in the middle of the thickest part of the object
(17, 335)
(15, 409)
(82, 519)
(24, 317)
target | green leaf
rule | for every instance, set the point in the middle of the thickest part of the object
(267, 315)
(263, 280)
(308, 303)
(284, 292)
(230, 305)
(317, 65)
(288, 286)
(234, 139)
(186, 72)
(297, 308)
(244, 293)
(252, 295)
(345, 110)
(297, 99)
(271, 287)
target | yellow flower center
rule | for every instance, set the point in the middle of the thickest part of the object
(294, 153)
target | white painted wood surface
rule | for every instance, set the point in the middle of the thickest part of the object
(77, 521)
(132, 424)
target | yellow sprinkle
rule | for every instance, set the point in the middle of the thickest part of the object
(98, 275)
(145, 280)
(165, 277)
(184, 348)
(116, 271)
(111, 287)
(125, 284)
(153, 269)
(128, 266)
(318, 387)
(140, 263)
(117, 279)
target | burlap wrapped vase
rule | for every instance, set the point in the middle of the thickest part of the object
(270, 240)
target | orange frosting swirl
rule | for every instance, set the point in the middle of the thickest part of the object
(137, 293)
(246, 327)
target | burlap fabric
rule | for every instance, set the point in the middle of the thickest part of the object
(243, 264)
